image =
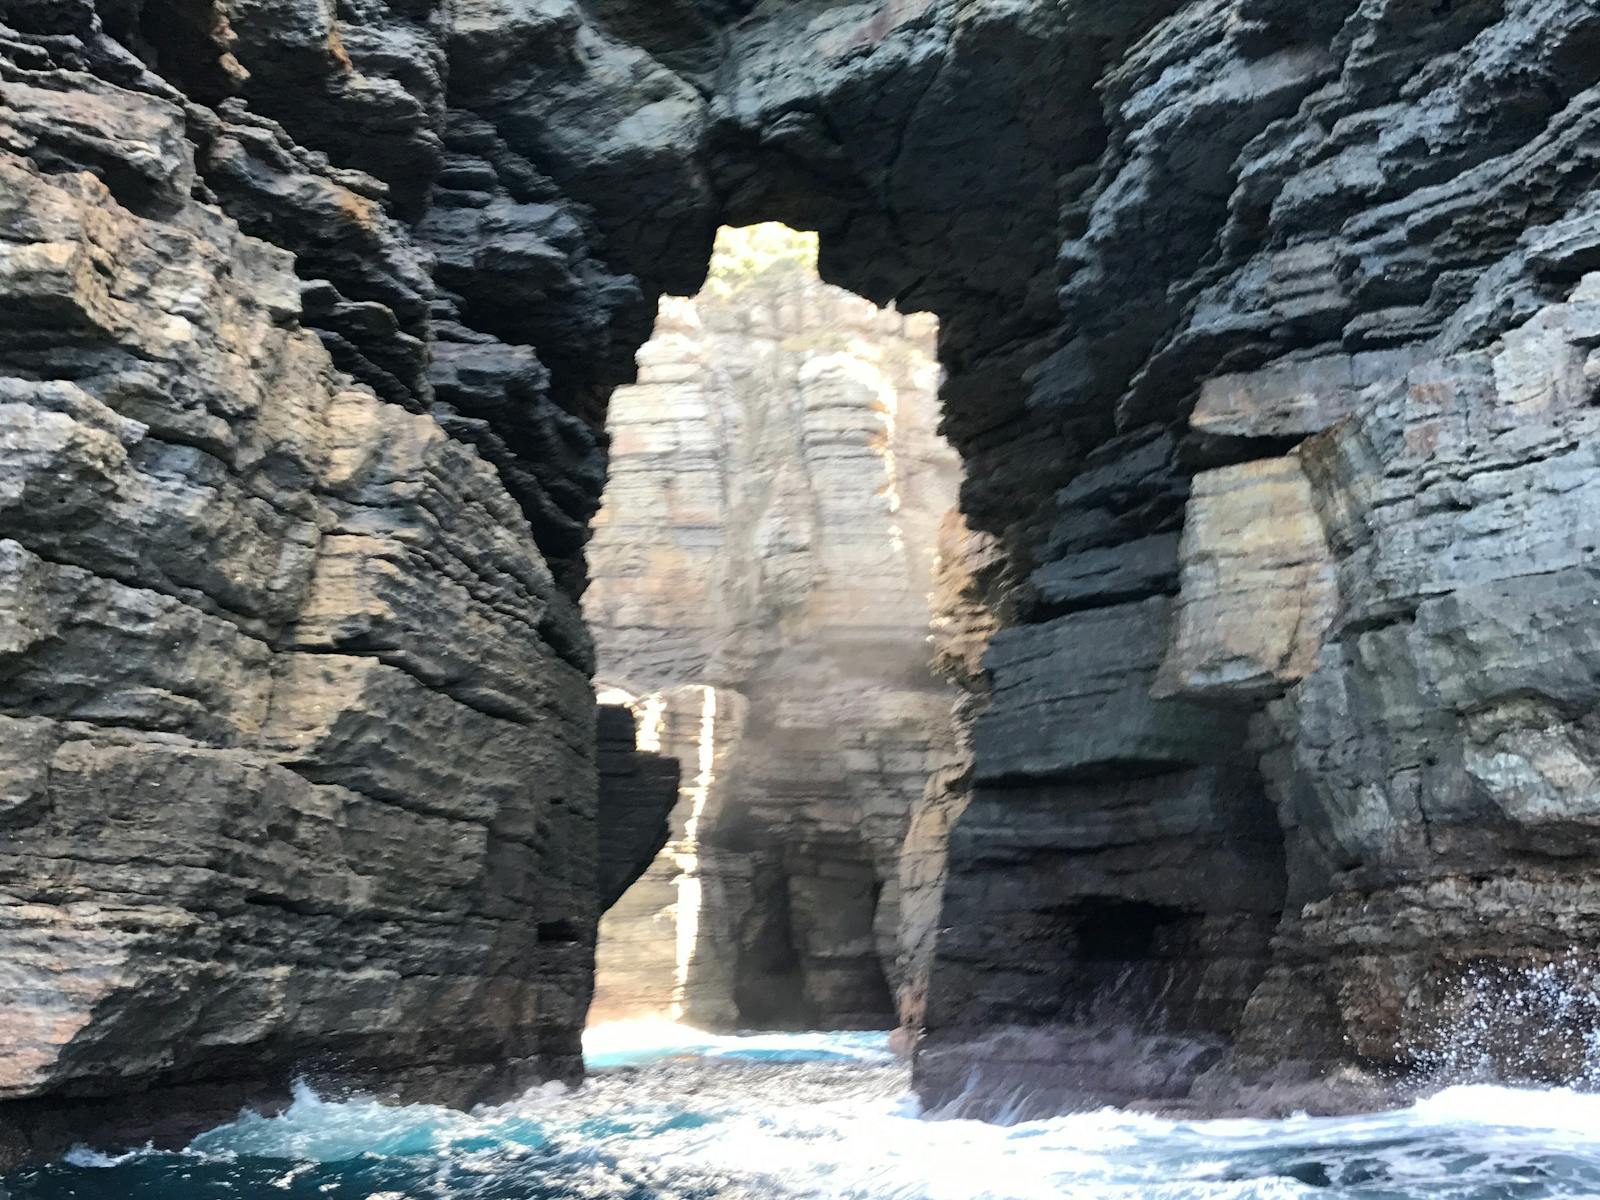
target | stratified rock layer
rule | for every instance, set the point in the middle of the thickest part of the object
(259, 815)
(310, 315)
(299, 755)
(759, 588)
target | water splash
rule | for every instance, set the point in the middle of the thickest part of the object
(642, 1042)
(1497, 1022)
(314, 1130)
(693, 1116)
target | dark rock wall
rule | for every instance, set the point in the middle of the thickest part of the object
(300, 758)
(1367, 223)
(637, 793)
(1270, 354)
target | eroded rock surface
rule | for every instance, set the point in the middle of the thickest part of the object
(310, 315)
(760, 590)
(300, 757)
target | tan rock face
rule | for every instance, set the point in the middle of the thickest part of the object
(1294, 399)
(969, 576)
(664, 948)
(769, 534)
(1256, 591)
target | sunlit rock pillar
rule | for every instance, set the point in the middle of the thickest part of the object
(761, 577)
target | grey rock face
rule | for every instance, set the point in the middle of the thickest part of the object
(310, 313)
(1073, 696)
(1439, 752)
(1349, 262)
(300, 762)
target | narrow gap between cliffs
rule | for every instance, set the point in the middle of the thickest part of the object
(763, 573)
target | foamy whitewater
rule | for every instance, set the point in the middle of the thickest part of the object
(671, 1114)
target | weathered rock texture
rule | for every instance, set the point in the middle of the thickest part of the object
(299, 754)
(760, 579)
(294, 542)
(971, 585)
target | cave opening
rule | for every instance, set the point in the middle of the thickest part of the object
(761, 582)
(769, 986)
(1111, 929)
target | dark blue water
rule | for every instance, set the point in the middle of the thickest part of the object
(670, 1115)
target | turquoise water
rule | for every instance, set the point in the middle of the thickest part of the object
(674, 1115)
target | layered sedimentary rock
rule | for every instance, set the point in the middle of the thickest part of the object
(1241, 303)
(258, 814)
(971, 584)
(299, 754)
(1370, 289)
(759, 589)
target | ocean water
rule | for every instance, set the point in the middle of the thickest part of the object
(670, 1114)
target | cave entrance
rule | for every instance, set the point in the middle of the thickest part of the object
(760, 596)
(806, 952)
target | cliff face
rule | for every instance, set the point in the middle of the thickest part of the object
(759, 587)
(1269, 332)
(970, 585)
(258, 811)
(299, 750)
(1281, 734)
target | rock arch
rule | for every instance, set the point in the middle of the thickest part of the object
(1166, 241)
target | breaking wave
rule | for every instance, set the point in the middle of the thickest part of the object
(674, 1114)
